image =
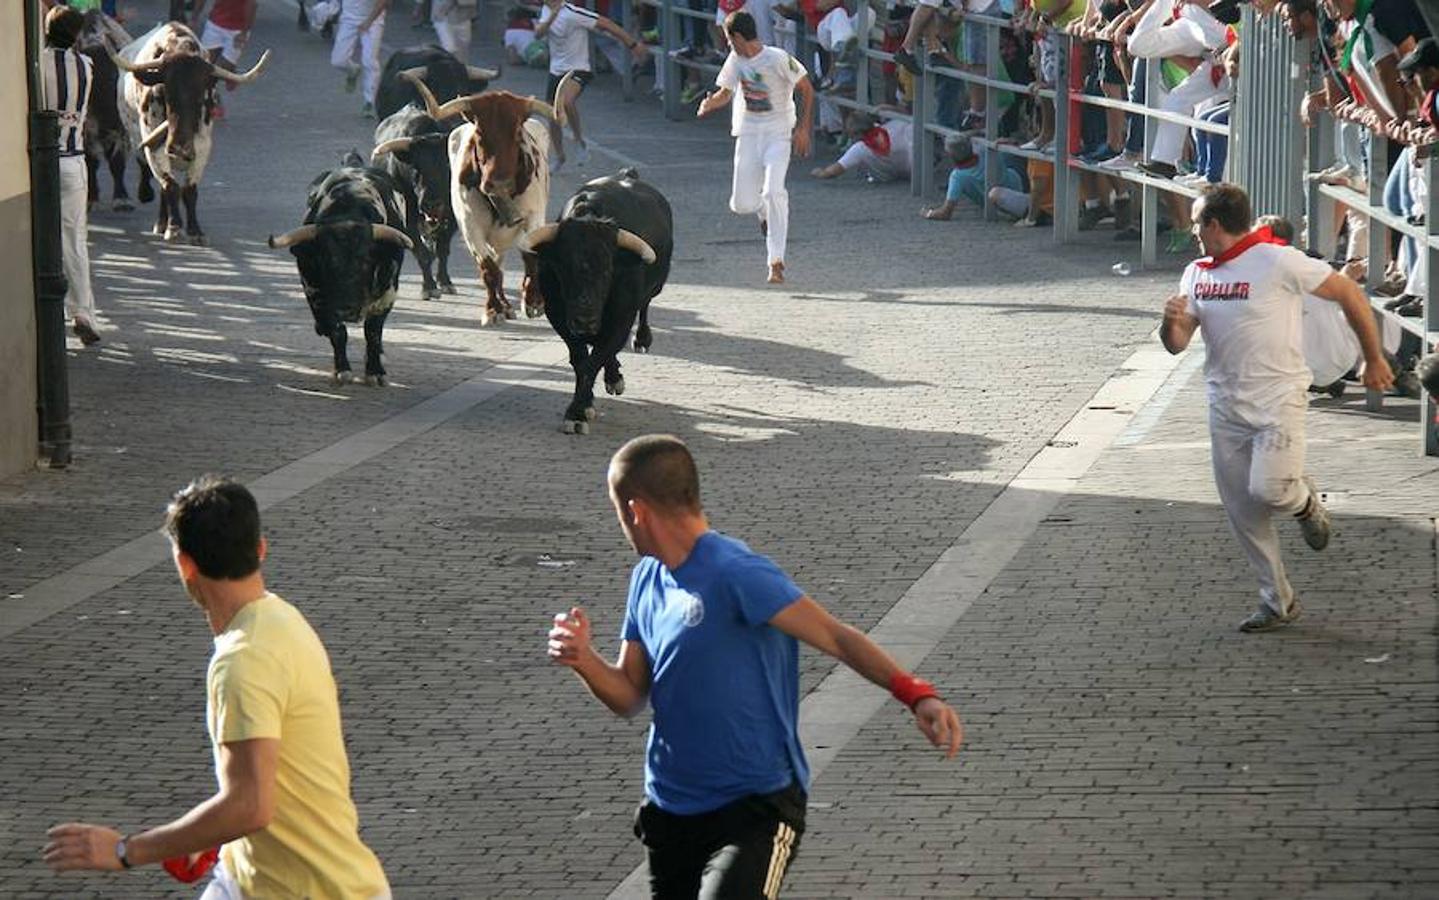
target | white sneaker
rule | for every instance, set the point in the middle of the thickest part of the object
(1193, 179)
(1030, 145)
(1315, 525)
(1119, 163)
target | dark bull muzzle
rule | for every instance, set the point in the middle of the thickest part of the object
(584, 316)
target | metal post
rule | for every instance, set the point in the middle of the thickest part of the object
(1319, 210)
(992, 159)
(1428, 408)
(627, 74)
(674, 76)
(1378, 238)
(1149, 196)
(53, 407)
(861, 70)
(922, 158)
(1066, 181)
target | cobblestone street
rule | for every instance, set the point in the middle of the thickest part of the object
(864, 425)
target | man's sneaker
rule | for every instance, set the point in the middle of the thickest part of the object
(776, 273)
(352, 77)
(582, 153)
(1314, 521)
(86, 333)
(906, 59)
(1118, 163)
(1266, 619)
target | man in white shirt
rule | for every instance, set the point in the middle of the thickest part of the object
(68, 75)
(1186, 34)
(765, 126)
(1247, 296)
(880, 152)
(568, 28)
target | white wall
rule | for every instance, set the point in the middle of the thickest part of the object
(17, 299)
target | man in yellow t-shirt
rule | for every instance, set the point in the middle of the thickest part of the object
(283, 816)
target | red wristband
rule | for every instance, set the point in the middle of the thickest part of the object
(909, 689)
(187, 870)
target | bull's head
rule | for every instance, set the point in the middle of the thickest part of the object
(493, 158)
(343, 266)
(425, 153)
(184, 83)
(577, 262)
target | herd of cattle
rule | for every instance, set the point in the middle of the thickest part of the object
(450, 155)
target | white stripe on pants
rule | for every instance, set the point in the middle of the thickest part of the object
(347, 36)
(74, 229)
(1257, 471)
(760, 164)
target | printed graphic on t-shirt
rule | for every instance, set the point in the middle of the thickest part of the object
(756, 93)
(690, 604)
(1213, 290)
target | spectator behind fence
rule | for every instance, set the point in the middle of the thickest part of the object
(966, 179)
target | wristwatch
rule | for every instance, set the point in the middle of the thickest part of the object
(121, 852)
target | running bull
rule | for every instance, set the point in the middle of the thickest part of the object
(349, 251)
(166, 96)
(598, 268)
(445, 75)
(412, 147)
(499, 184)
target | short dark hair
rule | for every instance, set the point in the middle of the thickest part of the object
(659, 469)
(741, 23)
(1228, 205)
(63, 26)
(1278, 226)
(1298, 8)
(216, 522)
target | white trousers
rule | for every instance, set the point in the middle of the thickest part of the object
(347, 37)
(1257, 471)
(1186, 96)
(760, 164)
(453, 27)
(74, 231)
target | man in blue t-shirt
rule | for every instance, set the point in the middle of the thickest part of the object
(709, 640)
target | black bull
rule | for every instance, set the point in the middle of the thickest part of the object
(445, 76)
(598, 269)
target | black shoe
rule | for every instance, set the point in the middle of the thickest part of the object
(1411, 310)
(1092, 216)
(1157, 169)
(906, 59)
(1401, 300)
(86, 333)
(1123, 213)
(938, 60)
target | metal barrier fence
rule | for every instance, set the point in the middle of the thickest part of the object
(1256, 157)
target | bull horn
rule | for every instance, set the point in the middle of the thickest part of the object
(418, 73)
(632, 242)
(479, 74)
(393, 235)
(454, 107)
(234, 78)
(541, 108)
(559, 116)
(291, 238)
(538, 238)
(153, 139)
(125, 65)
(394, 145)
(432, 106)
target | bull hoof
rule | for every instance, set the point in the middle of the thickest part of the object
(448, 287)
(345, 377)
(572, 427)
(174, 236)
(122, 204)
(375, 380)
(197, 240)
(491, 317)
(510, 312)
(534, 312)
(590, 414)
(430, 293)
(615, 387)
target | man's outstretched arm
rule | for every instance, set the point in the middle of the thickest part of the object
(807, 621)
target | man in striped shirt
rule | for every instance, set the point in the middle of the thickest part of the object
(67, 76)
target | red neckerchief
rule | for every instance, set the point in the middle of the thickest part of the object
(968, 163)
(1252, 239)
(877, 140)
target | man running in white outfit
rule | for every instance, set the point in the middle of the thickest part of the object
(362, 26)
(764, 128)
(568, 28)
(1247, 296)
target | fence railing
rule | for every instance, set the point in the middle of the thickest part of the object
(1070, 100)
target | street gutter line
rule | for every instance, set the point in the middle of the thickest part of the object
(844, 702)
(75, 585)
